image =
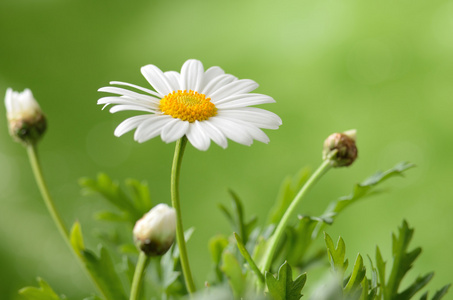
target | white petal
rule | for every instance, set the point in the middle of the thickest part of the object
(232, 130)
(197, 137)
(124, 107)
(137, 87)
(214, 133)
(151, 127)
(217, 83)
(127, 100)
(127, 93)
(174, 130)
(174, 79)
(243, 100)
(257, 116)
(241, 86)
(209, 75)
(129, 124)
(157, 79)
(192, 75)
(253, 131)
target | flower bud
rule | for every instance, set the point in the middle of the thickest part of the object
(26, 120)
(340, 148)
(155, 232)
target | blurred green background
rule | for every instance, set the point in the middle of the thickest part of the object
(383, 67)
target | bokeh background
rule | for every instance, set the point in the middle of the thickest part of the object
(383, 67)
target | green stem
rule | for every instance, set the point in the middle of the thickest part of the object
(37, 172)
(175, 170)
(142, 262)
(278, 233)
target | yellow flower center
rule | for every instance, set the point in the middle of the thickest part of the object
(188, 106)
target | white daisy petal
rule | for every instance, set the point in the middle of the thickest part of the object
(174, 79)
(232, 131)
(217, 83)
(197, 137)
(129, 124)
(127, 93)
(118, 108)
(214, 133)
(157, 79)
(217, 108)
(192, 75)
(127, 100)
(210, 74)
(137, 87)
(243, 100)
(257, 116)
(236, 87)
(174, 130)
(151, 128)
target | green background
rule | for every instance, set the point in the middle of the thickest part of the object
(383, 67)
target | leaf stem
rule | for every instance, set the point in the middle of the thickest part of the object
(37, 172)
(175, 171)
(142, 262)
(278, 233)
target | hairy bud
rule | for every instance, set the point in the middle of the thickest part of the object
(26, 120)
(155, 232)
(340, 148)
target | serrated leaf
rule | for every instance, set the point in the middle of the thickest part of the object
(233, 271)
(283, 287)
(357, 276)
(76, 238)
(216, 246)
(419, 283)
(362, 190)
(139, 192)
(442, 292)
(336, 254)
(44, 292)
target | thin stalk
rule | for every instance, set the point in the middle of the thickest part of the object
(37, 172)
(278, 233)
(142, 262)
(175, 170)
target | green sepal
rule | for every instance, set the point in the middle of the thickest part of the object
(44, 292)
(283, 287)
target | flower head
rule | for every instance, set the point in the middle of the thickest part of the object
(340, 148)
(26, 120)
(155, 232)
(202, 105)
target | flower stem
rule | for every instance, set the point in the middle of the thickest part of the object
(175, 170)
(142, 262)
(37, 172)
(278, 233)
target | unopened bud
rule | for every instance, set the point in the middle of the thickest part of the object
(26, 120)
(340, 148)
(155, 232)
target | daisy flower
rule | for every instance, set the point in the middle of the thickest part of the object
(202, 105)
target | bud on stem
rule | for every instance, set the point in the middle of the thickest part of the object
(155, 232)
(26, 120)
(340, 148)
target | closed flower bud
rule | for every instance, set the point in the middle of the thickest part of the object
(340, 148)
(26, 120)
(155, 232)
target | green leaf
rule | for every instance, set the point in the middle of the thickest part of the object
(288, 190)
(283, 287)
(44, 292)
(357, 276)
(442, 292)
(233, 271)
(139, 192)
(362, 190)
(248, 258)
(419, 283)
(216, 246)
(100, 268)
(111, 216)
(336, 254)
